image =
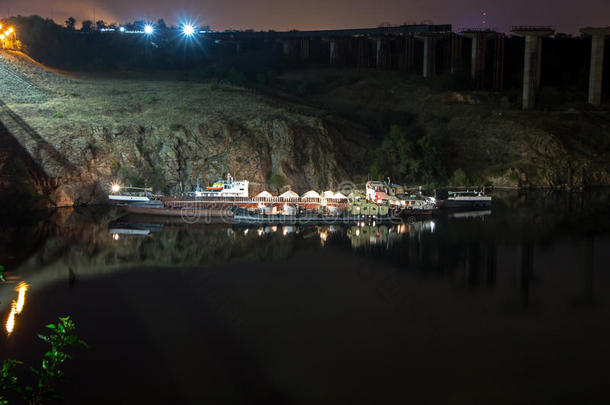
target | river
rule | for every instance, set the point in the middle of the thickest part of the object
(503, 306)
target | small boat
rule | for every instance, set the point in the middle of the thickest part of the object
(467, 199)
(133, 196)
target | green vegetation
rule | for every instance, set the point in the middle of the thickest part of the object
(409, 154)
(150, 99)
(2, 278)
(60, 339)
(58, 115)
(458, 178)
(276, 181)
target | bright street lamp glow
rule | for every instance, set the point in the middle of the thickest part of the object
(116, 188)
(188, 30)
(148, 29)
(122, 29)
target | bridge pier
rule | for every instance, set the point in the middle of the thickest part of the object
(596, 73)
(363, 53)
(478, 57)
(384, 53)
(409, 55)
(456, 52)
(289, 47)
(304, 49)
(498, 74)
(334, 51)
(429, 66)
(532, 61)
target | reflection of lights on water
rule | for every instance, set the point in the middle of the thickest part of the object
(432, 226)
(10, 322)
(323, 237)
(274, 228)
(260, 231)
(115, 236)
(22, 288)
(16, 307)
(357, 232)
(245, 231)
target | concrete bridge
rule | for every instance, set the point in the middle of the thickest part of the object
(428, 50)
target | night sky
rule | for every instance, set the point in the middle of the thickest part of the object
(566, 16)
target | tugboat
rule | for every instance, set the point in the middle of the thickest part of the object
(467, 200)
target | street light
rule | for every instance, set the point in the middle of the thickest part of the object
(148, 29)
(188, 30)
(122, 29)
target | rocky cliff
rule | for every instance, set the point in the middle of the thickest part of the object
(86, 133)
(83, 133)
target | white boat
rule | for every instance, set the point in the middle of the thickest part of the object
(132, 196)
(467, 199)
(223, 188)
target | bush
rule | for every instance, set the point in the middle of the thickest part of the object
(276, 181)
(150, 99)
(408, 154)
(458, 178)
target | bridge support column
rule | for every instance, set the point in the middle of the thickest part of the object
(498, 76)
(289, 47)
(333, 51)
(598, 42)
(429, 68)
(338, 51)
(456, 51)
(409, 53)
(363, 54)
(532, 62)
(384, 54)
(304, 49)
(478, 55)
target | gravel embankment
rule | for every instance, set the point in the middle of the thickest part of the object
(23, 81)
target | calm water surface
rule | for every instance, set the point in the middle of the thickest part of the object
(507, 306)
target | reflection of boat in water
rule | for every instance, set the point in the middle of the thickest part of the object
(132, 229)
(364, 235)
(470, 214)
(243, 216)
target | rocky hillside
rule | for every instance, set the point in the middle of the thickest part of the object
(483, 134)
(314, 130)
(88, 132)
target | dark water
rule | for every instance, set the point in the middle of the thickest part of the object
(509, 306)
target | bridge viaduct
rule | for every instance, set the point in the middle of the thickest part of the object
(429, 50)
